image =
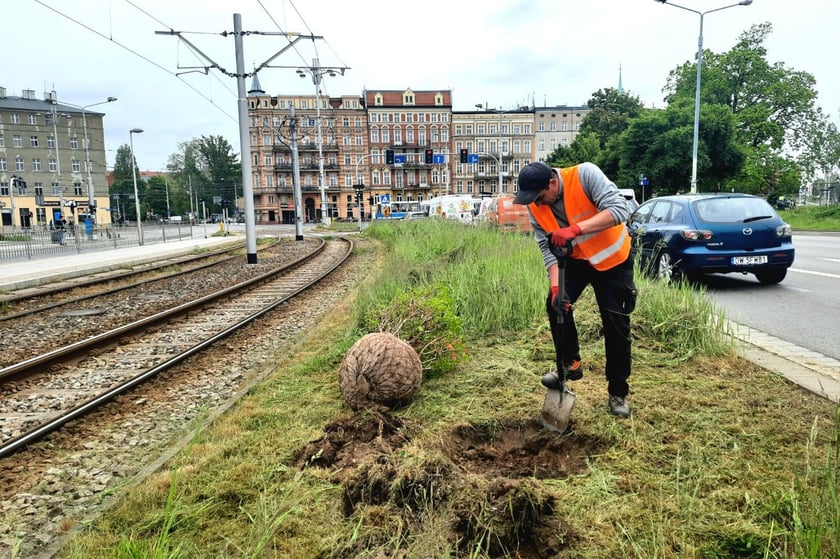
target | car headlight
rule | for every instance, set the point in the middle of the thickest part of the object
(783, 230)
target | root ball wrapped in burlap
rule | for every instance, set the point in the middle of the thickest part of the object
(379, 372)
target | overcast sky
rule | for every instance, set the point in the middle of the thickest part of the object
(502, 53)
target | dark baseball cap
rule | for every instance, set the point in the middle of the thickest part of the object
(533, 179)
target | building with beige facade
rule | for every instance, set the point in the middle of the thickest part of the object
(52, 161)
(502, 142)
(556, 127)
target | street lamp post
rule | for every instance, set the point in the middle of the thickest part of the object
(134, 178)
(91, 199)
(499, 158)
(317, 72)
(57, 162)
(697, 87)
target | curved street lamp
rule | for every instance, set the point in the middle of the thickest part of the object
(134, 178)
(697, 90)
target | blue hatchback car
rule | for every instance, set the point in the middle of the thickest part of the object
(688, 235)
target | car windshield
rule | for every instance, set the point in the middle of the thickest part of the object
(733, 210)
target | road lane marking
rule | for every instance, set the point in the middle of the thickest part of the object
(823, 274)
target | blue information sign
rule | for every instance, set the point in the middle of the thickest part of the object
(439, 159)
(472, 158)
(399, 158)
(385, 199)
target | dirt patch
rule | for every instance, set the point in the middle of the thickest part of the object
(520, 450)
(486, 477)
(349, 442)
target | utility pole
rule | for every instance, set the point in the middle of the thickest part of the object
(244, 139)
(298, 197)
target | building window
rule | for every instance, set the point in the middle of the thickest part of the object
(74, 143)
(33, 141)
(36, 165)
(77, 189)
(3, 164)
(18, 163)
(16, 141)
(50, 142)
(15, 118)
(33, 119)
(76, 165)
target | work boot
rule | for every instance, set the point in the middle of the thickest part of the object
(551, 380)
(574, 370)
(619, 406)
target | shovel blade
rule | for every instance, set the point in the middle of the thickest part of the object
(557, 409)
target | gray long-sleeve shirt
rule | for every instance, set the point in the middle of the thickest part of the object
(598, 188)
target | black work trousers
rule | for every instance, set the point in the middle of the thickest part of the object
(615, 293)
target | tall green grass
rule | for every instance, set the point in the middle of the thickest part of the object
(499, 285)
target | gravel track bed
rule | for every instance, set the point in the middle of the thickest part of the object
(66, 479)
(36, 334)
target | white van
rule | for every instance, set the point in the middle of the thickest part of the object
(630, 195)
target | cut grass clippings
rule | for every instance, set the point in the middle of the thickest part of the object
(720, 458)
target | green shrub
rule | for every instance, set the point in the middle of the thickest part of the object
(425, 318)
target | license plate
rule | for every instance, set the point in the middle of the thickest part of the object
(748, 260)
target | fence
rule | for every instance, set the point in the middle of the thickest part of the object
(25, 243)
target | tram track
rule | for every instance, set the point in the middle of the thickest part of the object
(83, 375)
(81, 314)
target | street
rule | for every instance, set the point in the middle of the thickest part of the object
(802, 309)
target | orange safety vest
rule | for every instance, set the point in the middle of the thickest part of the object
(604, 249)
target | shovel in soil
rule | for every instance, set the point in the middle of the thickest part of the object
(559, 402)
(557, 408)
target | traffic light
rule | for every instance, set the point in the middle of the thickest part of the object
(465, 154)
(389, 156)
(430, 156)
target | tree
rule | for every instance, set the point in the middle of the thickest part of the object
(772, 107)
(658, 144)
(122, 191)
(208, 167)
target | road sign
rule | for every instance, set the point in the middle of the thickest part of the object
(439, 159)
(399, 158)
(385, 199)
(472, 158)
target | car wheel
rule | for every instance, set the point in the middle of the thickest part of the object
(666, 271)
(769, 277)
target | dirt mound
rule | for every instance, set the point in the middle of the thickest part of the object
(486, 477)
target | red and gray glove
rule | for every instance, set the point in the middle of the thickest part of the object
(561, 237)
(560, 305)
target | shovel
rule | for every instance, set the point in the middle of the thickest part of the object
(559, 402)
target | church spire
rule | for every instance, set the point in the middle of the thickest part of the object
(620, 87)
(256, 89)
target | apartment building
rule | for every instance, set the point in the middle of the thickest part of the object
(556, 127)
(328, 134)
(498, 142)
(52, 161)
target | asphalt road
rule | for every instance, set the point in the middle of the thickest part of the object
(803, 309)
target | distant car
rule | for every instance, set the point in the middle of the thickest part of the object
(690, 235)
